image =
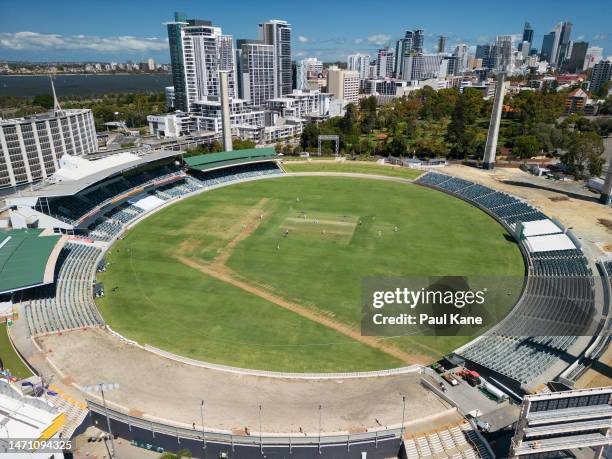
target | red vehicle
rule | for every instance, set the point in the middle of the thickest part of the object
(472, 377)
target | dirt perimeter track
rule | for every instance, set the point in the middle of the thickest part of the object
(170, 391)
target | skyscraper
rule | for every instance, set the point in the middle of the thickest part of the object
(198, 51)
(359, 63)
(418, 41)
(441, 43)
(527, 33)
(343, 84)
(384, 63)
(594, 55)
(461, 53)
(278, 34)
(561, 51)
(488, 55)
(548, 44)
(411, 44)
(255, 62)
(575, 62)
(175, 42)
(309, 67)
(602, 72)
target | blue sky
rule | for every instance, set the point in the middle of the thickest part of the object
(113, 30)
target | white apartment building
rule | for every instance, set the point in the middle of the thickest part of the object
(255, 62)
(593, 56)
(462, 54)
(343, 84)
(32, 146)
(198, 52)
(278, 34)
(170, 125)
(308, 69)
(207, 115)
(386, 87)
(360, 63)
(301, 104)
(271, 134)
(385, 62)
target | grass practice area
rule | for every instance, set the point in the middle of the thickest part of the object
(352, 167)
(9, 357)
(268, 274)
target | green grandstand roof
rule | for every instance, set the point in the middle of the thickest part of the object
(23, 258)
(229, 158)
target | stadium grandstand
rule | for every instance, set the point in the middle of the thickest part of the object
(230, 158)
(64, 226)
(51, 257)
(556, 317)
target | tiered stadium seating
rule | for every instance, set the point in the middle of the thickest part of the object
(505, 207)
(68, 304)
(568, 267)
(237, 173)
(104, 229)
(71, 208)
(559, 293)
(124, 213)
(460, 442)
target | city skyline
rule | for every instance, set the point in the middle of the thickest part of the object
(43, 32)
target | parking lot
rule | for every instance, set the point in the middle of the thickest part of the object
(472, 400)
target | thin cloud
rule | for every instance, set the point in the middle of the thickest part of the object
(303, 39)
(600, 36)
(33, 41)
(379, 39)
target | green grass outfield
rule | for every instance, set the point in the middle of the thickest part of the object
(9, 357)
(352, 167)
(162, 302)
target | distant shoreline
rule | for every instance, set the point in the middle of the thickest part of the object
(84, 84)
(79, 74)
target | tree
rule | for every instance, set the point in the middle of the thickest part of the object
(309, 137)
(532, 107)
(368, 107)
(584, 155)
(43, 100)
(239, 144)
(526, 146)
(397, 147)
(430, 147)
(549, 136)
(465, 114)
(348, 125)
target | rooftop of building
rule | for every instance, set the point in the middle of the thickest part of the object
(79, 173)
(23, 417)
(212, 161)
(44, 116)
(27, 258)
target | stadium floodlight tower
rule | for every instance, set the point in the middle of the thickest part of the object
(101, 387)
(606, 193)
(493, 134)
(225, 112)
(504, 57)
